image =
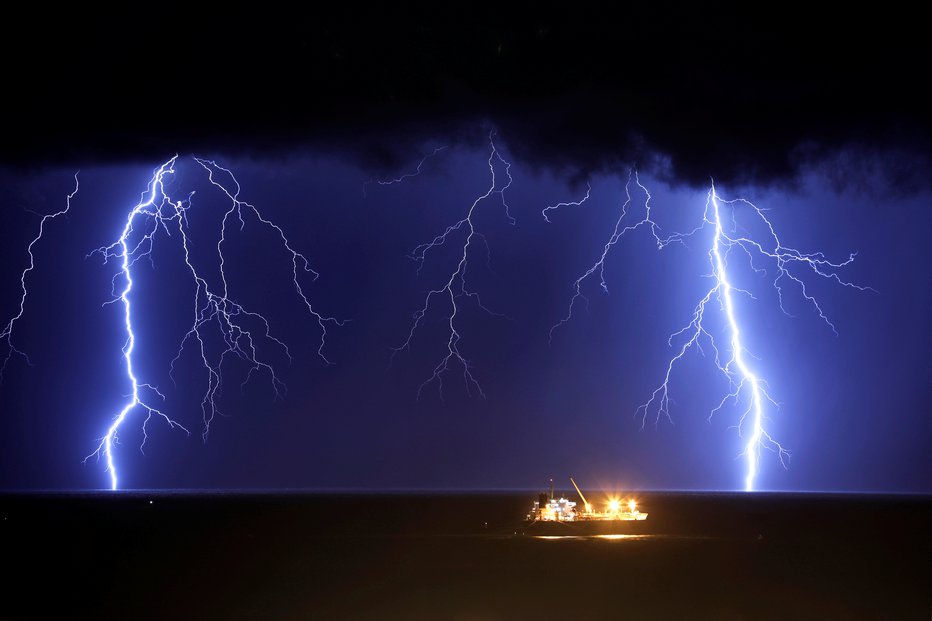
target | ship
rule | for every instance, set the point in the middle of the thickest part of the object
(560, 516)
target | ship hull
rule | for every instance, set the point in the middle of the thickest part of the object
(584, 528)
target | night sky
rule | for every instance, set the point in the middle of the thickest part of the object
(825, 127)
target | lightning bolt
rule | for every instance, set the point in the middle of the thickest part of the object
(404, 176)
(622, 228)
(7, 333)
(455, 287)
(544, 211)
(746, 386)
(238, 327)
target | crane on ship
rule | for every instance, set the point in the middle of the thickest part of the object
(579, 491)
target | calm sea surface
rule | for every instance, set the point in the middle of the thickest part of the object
(456, 556)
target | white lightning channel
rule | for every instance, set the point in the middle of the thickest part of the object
(7, 333)
(746, 385)
(456, 287)
(239, 328)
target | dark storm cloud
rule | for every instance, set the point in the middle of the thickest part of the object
(747, 96)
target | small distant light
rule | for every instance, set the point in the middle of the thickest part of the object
(151, 502)
(632, 506)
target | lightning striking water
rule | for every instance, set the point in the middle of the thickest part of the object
(239, 329)
(455, 286)
(7, 333)
(746, 385)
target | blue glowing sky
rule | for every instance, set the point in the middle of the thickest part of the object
(853, 407)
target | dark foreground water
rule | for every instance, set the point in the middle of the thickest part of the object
(704, 556)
